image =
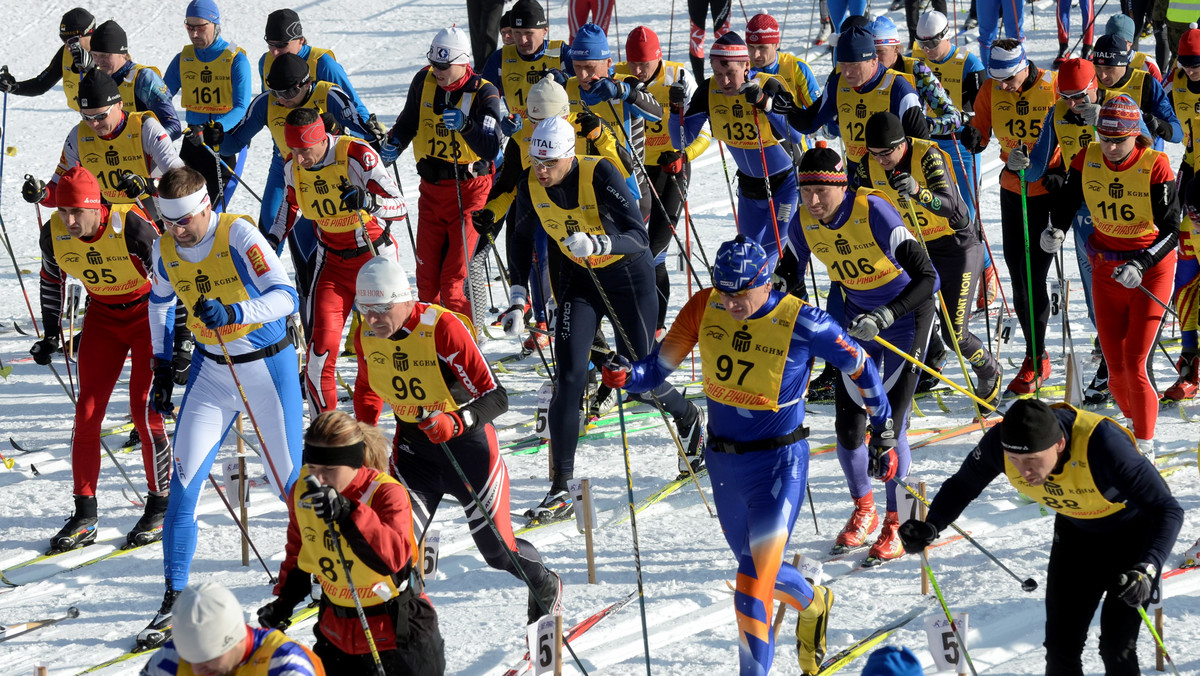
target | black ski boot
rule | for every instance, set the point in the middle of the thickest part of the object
(548, 595)
(1062, 55)
(159, 630)
(148, 528)
(80, 530)
(557, 505)
(691, 435)
(821, 387)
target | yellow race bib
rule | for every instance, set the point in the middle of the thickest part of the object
(744, 360)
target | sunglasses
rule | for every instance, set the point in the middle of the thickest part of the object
(882, 153)
(440, 66)
(1073, 97)
(376, 308)
(732, 294)
(1113, 140)
(279, 45)
(98, 116)
(930, 43)
(195, 27)
(185, 221)
(545, 164)
(289, 93)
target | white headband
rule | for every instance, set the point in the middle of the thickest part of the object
(174, 209)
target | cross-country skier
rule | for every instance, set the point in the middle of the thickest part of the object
(225, 272)
(107, 248)
(372, 514)
(68, 64)
(215, 79)
(756, 344)
(141, 86)
(422, 361)
(1086, 468)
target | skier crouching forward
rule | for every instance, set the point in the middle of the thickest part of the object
(756, 344)
(1087, 468)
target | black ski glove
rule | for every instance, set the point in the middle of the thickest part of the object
(274, 614)
(1136, 586)
(325, 501)
(162, 386)
(33, 190)
(132, 185)
(882, 460)
(181, 361)
(971, 139)
(43, 350)
(916, 535)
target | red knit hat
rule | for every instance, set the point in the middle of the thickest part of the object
(1119, 117)
(1189, 48)
(1075, 75)
(642, 46)
(762, 29)
(79, 189)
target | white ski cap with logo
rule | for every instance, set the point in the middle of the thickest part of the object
(553, 139)
(382, 280)
(450, 45)
(208, 622)
(547, 99)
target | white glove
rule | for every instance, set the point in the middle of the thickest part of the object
(582, 245)
(1052, 239)
(1018, 159)
(868, 325)
(512, 320)
(1090, 112)
(1129, 275)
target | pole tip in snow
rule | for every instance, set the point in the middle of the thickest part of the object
(72, 612)
(1029, 585)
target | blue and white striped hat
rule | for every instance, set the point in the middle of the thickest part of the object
(1005, 63)
(741, 264)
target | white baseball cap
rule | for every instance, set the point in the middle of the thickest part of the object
(553, 139)
(382, 280)
(208, 622)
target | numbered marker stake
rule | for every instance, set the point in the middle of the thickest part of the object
(541, 635)
(433, 542)
(943, 645)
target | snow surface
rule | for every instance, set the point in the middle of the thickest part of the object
(685, 561)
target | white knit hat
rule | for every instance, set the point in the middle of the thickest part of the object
(553, 139)
(547, 99)
(450, 45)
(208, 622)
(382, 280)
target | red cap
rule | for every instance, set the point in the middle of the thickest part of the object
(306, 136)
(77, 189)
(1189, 43)
(642, 46)
(762, 29)
(1076, 75)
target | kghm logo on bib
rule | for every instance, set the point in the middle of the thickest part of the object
(741, 340)
(206, 75)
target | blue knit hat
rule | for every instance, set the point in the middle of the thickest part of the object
(1120, 25)
(893, 661)
(591, 44)
(741, 264)
(885, 31)
(204, 9)
(855, 45)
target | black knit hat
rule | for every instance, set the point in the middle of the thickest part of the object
(109, 38)
(97, 89)
(283, 25)
(1029, 426)
(821, 166)
(884, 130)
(506, 19)
(76, 23)
(527, 14)
(1110, 50)
(288, 71)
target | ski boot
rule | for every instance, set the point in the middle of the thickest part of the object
(1146, 448)
(1189, 378)
(1085, 52)
(691, 435)
(148, 528)
(823, 33)
(988, 389)
(134, 439)
(548, 596)
(971, 23)
(602, 401)
(539, 339)
(810, 630)
(1024, 382)
(1191, 558)
(926, 381)
(1097, 392)
(159, 630)
(821, 388)
(862, 522)
(887, 546)
(80, 530)
(557, 505)
(1062, 55)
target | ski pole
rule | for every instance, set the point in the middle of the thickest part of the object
(137, 497)
(241, 526)
(491, 522)
(916, 362)
(331, 529)
(813, 509)
(637, 552)
(973, 184)
(671, 31)
(612, 314)
(762, 152)
(366, 234)
(955, 335)
(246, 402)
(1037, 355)
(16, 267)
(946, 609)
(1157, 638)
(1027, 585)
(15, 630)
(407, 221)
(462, 223)
(221, 161)
(1161, 304)
(729, 186)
